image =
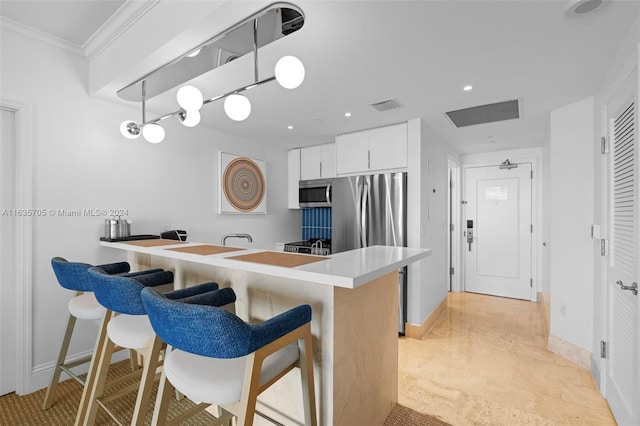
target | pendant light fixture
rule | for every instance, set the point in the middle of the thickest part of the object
(289, 73)
(237, 107)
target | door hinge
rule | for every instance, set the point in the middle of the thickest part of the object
(604, 247)
(603, 349)
(604, 147)
(452, 227)
(532, 228)
(452, 271)
(531, 174)
(531, 282)
(450, 184)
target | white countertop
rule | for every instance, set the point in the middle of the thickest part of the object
(348, 269)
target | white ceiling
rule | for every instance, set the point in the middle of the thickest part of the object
(420, 52)
(74, 21)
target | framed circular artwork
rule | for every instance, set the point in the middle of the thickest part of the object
(243, 184)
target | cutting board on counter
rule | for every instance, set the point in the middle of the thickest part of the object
(153, 243)
(206, 249)
(277, 258)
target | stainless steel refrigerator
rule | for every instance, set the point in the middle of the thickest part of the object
(368, 211)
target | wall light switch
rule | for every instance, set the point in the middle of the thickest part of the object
(595, 232)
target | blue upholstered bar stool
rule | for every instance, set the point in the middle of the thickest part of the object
(126, 325)
(217, 358)
(84, 306)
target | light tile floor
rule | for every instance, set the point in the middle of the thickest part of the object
(486, 363)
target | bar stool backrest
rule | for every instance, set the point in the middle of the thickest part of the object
(212, 331)
(120, 293)
(71, 275)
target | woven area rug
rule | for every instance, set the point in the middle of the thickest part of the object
(27, 410)
(403, 416)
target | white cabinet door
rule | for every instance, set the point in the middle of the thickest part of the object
(318, 162)
(294, 178)
(352, 152)
(328, 161)
(388, 147)
(310, 162)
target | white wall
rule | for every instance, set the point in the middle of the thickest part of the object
(571, 247)
(81, 161)
(427, 219)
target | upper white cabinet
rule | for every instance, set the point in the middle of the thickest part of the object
(318, 162)
(388, 147)
(383, 148)
(294, 178)
(352, 152)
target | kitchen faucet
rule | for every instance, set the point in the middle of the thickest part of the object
(247, 236)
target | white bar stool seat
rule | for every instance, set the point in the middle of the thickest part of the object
(220, 380)
(86, 307)
(131, 331)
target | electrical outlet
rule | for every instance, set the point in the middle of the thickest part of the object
(563, 310)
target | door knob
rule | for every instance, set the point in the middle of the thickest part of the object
(633, 287)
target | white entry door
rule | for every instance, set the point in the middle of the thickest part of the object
(498, 228)
(623, 372)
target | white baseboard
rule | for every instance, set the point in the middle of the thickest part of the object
(41, 374)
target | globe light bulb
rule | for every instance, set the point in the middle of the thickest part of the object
(289, 72)
(130, 129)
(153, 133)
(237, 107)
(189, 98)
(190, 118)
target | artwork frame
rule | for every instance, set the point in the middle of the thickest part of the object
(242, 184)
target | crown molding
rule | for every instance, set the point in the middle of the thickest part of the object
(127, 15)
(41, 36)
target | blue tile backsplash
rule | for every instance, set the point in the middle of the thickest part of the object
(316, 223)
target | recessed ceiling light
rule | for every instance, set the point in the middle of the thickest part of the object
(347, 114)
(194, 53)
(290, 127)
(467, 87)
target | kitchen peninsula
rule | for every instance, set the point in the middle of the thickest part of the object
(354, 298)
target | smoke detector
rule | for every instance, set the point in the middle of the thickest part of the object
(583, 7)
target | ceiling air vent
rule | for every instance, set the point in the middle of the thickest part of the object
(387, 105)
(499, 111)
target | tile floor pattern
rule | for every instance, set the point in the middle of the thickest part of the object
(486, 363)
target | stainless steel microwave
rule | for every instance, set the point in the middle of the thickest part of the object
(315, 193)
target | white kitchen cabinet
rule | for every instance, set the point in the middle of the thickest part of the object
(388, 147)
(352, 152)
(384, 148)
(318, 162)
(294, 178)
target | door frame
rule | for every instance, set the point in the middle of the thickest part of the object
(22, 261)
(454, 194)
(536, 249)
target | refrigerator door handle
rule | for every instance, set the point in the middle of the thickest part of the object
(364, 209)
